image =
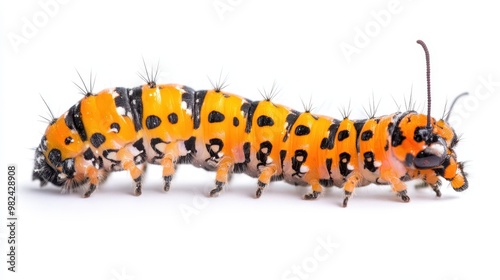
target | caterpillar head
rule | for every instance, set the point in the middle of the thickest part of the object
(55, 155)
(423, 143)
(424, 148)
(419, 146)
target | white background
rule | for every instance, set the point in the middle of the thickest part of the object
(185, 235)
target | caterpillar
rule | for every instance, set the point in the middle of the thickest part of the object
(169, 124)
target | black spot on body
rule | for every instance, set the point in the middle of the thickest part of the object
(88, 154)
(190, 145)
(386, 147)
(302, 130)
(173, 118)
(214, 147)
(55, 157)
(297, 160)
(324, 143)
(115, 126)
(265, 121)
(264, 151)
(215, 117)
(300, 156)
(369, 161)
(344, 159)
(343, 135)
(397, 137)
(139, 145)
(97, 139)
(68, 140)
(236, 122)
(153, 122)
(366, 135)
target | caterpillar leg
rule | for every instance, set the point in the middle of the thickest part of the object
(397, 185)
(93, 175)
(351, 183)
(265, 178)
(429, 177)
(317, 189)
(168, 171)
(224, 167)
(135, 172)
(454, 172)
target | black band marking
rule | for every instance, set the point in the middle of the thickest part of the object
(251, 110)
(199, 97)
(135, 99)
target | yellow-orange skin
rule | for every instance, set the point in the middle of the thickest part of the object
(292, 146)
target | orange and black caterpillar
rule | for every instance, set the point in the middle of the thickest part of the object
(124, 128)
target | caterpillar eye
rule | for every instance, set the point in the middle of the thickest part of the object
(421, 134)
(425, 134)
(432, 156)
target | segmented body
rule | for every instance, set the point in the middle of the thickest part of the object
(122, 128)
